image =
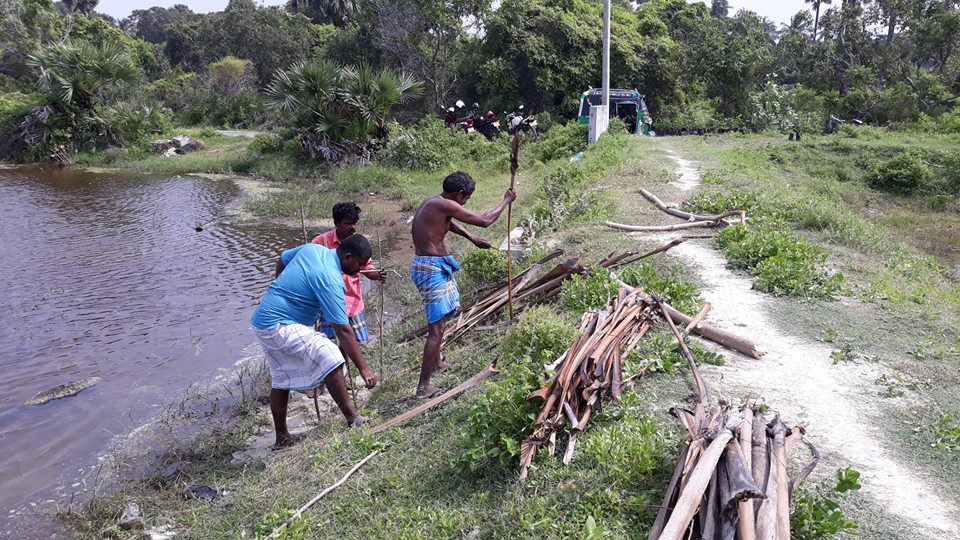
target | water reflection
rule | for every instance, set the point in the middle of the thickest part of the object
(105, 276)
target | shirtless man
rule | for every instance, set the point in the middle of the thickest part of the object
(433, 267)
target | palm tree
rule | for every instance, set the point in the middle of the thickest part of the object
(326, 11)
(342, 104)
(78, 74)
(816, 18)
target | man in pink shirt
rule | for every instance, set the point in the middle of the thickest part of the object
(345, 218)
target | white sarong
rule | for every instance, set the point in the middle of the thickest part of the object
(299, 357)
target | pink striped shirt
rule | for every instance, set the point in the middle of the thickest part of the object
(353, 295)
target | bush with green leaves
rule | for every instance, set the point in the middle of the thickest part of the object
(430, 145)
(563, 141)
(905, 174)
(485, 266)
(539, 334)
(947, 433)
(657, 353)
(816, 512)
(682, 295)
(588, 291)
(498, 419)
(784, 264)
(628, 449)
(719, 202)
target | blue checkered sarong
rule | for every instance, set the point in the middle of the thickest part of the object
(433, 277)
(358, 322)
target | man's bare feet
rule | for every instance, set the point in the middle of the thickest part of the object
(286, 440)
(358, 421)
(428, 391)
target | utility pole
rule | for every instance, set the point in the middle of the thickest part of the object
(606, 54)
(600, 116)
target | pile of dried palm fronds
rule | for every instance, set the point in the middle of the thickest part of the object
(525, 288)
(592, 366)
(691, 220)
(731, 479)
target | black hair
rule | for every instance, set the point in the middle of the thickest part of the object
(357, 245)
(459, 181)
(345, 211)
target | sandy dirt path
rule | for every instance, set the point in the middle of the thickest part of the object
(797, 378)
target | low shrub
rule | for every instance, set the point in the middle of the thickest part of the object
(588, 291)
(430, 144)
(906, 174)
(657, 353)
(627, 450)
(490, 435)
(266, 144)
(680, 294)
(539, 334)
(485, 266)
(717, 203)
(816, 512)
(784, 264)
(563, 141)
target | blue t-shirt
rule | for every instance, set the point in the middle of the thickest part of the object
(311, 284)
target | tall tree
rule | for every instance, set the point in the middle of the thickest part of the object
(84, 7)
(720, 9)
(337, 12)
(816, 17)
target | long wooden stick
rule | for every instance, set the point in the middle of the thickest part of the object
(514, 164)
(276, 532)
(303, 224)
(303, 229)
(383, 375)
(487, 372)
(662, 228)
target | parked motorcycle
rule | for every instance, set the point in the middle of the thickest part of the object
(450, 117)
(488, 125)
(516, 121)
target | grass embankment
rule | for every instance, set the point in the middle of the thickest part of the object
(886, 207)
(452, 471)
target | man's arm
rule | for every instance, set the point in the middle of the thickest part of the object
(348, 341)
(481, 243)
(460, 213)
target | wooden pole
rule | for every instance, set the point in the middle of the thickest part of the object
(303, 229)
(514, 164)
(380, 256)
(303, 224)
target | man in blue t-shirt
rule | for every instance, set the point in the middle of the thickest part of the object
(309, 283)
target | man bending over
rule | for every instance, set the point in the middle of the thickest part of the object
(433, 267)
(310, 284)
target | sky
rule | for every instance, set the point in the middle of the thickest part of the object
(779, 11)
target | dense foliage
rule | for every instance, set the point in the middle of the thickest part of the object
(892, 62)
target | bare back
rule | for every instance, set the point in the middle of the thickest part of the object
(430, 226)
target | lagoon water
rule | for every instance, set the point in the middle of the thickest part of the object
(105, 276)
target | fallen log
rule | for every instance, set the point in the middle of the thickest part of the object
(685, 215)
(663, 228)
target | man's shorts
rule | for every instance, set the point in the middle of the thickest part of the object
(299, 357)
(358, 322)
